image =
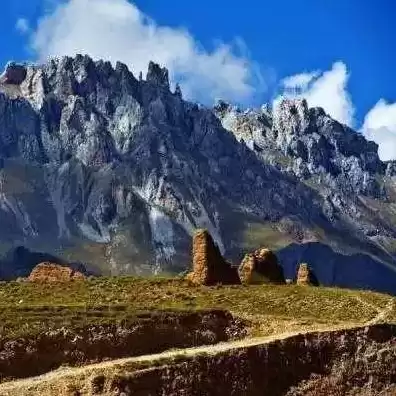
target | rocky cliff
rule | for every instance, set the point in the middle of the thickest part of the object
(117, 172)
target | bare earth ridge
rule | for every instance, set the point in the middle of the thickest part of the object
(31, 386)
(323, 341)
(158, 373)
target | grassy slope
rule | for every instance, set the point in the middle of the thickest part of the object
(27, 308)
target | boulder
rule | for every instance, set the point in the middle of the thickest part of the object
(305, 276)
(209, 266)
(49, 272)
(261, 267)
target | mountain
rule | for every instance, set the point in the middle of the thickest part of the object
(116, 172)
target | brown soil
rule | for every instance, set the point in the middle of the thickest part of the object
(351, 362)
(148, 333)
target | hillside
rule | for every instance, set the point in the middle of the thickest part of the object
(30, 308)
(45, 326)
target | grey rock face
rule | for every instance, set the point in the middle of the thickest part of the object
(337, 162)
(390, 168)
(157, 75)
(117, 172)
(308, 143)
(14, 74)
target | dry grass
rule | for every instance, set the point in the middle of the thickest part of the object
(26, 308)
(255, 233)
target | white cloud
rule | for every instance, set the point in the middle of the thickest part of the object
(299, 81)
(325, 89)
(117, 30)
(22, 25)
(329, 90)
(380, 126)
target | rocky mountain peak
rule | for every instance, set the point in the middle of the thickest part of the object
(291, 116)
(14, 74)
(309, 144)
(158, 75)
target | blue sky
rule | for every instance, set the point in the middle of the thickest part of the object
(241, 51)
(292, 36)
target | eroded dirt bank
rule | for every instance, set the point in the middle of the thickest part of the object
(351, 362)
(360, 361)
(145, 334)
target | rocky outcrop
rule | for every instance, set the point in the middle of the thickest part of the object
(49, 272)
(209, 266)
(390, 168)
(159, 76)
(305, 276)
(261, 267)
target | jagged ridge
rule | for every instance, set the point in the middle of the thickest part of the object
(116, 171)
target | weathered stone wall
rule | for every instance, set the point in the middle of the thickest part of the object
(49, 272)
(261, 266)
(305, 276)
(209, 266)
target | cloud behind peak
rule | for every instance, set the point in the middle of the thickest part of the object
(117, 30)
(326, 89)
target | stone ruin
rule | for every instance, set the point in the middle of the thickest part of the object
(260, 267)
(305, 276)
(49, 272)
(209, 266)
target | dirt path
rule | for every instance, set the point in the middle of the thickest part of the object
(382, 313)
(19, 387)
